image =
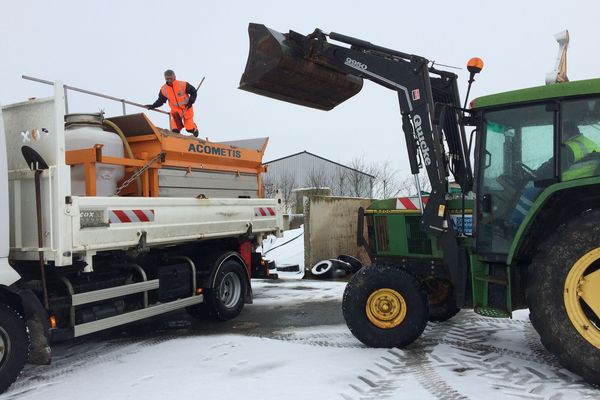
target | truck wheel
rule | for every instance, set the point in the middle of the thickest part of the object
(14, 346)
(442, 302)
(385, 306)
(563, 295)
(225, 300)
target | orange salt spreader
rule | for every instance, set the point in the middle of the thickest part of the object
(175, 165)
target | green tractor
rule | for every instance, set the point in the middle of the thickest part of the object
(519, 228)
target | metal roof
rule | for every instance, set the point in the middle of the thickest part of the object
(322, 158)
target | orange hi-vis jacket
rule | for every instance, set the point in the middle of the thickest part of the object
(176, 94)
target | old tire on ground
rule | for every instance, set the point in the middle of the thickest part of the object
(14, 346)
(442, 302)
(385, 306)
(322, 269)
(225, 299)
(353, 261)
(562, 293)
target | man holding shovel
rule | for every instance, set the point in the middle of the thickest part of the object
(181, 96)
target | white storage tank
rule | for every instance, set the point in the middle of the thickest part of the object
(83, 131)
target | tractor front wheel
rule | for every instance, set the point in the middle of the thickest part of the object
(385, 306)
(564, 295)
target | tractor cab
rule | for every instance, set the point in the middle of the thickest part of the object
(530, 141)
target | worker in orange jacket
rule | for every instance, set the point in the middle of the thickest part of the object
(181, 96)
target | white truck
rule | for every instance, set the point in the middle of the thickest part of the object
(74, 264)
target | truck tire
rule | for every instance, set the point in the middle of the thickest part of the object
(385, 306)
(14, 342)
(563, 279)
(225, 299)
(442, 302)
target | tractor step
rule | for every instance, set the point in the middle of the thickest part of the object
(491, 289)
(492, 279)
(491, 312)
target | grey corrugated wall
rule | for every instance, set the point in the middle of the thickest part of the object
(299, 167)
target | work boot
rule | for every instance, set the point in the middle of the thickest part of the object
(194, 132)
(176, 130)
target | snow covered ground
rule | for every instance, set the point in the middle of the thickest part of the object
(287, 250)
(469, 357)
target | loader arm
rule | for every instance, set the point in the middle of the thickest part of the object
(310, 71)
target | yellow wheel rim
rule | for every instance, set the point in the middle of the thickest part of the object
(582, 286)
(386, 308)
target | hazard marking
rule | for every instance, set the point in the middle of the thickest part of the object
(410, 203)
(264, 212)
(128, 216)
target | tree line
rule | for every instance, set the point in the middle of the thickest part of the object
(387, 181)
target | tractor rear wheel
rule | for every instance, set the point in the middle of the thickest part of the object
(385, 306)
(564, 295)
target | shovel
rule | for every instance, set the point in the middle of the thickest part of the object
(36, 163)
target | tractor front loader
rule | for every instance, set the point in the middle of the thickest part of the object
(520, 228)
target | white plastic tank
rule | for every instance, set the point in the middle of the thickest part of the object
(83, 131)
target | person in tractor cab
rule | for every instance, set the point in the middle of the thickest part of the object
(181, 96)
(580, 158)
(583, 156)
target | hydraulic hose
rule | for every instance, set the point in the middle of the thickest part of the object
(127, 148)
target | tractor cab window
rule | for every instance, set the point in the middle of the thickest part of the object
(580, 139)
(518, 158)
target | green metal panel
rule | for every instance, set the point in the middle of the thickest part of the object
(400, 235)
(537, 206)
(386, 204)
(398, 232)
(480, 289)
(567, 89)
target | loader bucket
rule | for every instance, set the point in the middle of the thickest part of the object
(278, 68)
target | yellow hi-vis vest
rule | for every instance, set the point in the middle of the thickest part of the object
(582, 147)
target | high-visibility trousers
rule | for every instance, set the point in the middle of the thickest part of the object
(182, 118)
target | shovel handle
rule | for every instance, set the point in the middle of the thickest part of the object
(200, 84)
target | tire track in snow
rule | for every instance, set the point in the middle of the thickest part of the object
(532, 373)
(70, 357)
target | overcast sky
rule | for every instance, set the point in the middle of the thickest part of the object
(122, 47)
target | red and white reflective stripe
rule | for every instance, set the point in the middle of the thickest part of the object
(126, 216)
(264, 212)
(409, 203)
